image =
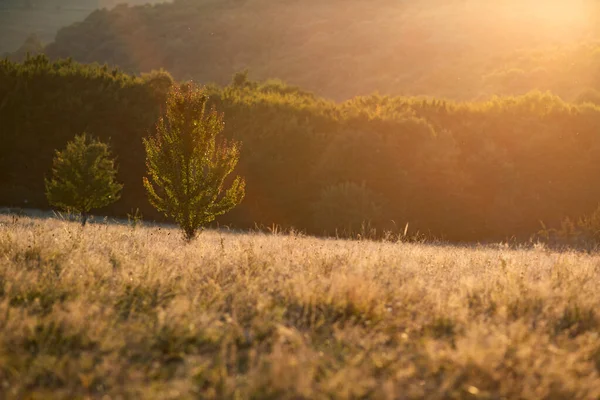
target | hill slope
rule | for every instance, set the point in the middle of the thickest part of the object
(21, 18)
(111, 311)
(459, 49)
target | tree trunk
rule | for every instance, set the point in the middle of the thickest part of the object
(189, 232)
(84, 218)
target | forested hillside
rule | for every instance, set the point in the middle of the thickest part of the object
(464, 171)
(21, 18)
(467, 49)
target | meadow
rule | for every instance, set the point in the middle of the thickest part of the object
(136, 312)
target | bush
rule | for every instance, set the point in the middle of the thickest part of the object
(83, 177)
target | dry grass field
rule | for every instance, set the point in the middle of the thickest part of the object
(111, 311)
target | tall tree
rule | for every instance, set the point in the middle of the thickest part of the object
(188, 162)
(83, 177)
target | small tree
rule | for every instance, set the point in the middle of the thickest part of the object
(187, 164)
(83, 177)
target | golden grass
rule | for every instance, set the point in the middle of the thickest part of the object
(138, 313)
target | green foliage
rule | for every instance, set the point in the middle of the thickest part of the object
(346, 208)
(44, 104)
(188, 162)
(83, 177)
(469, 171)
(159, 82)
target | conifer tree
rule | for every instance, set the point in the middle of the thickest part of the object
(188, 162)
(83, 177)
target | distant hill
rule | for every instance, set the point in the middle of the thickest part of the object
(452, 48)
(21, 18)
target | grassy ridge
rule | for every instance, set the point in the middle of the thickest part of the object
(112, 310)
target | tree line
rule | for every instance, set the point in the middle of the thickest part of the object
(463, 171)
